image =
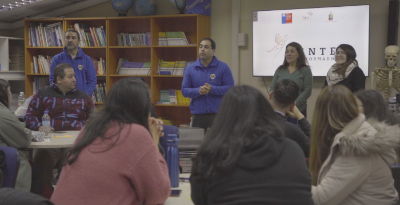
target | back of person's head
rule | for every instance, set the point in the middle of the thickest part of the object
(374, 106)
(244, 116)
(335, 108)
(4, 92)
(59, 71)
(128, 101)
(285, 93)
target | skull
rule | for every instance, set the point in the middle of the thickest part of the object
(391, 55)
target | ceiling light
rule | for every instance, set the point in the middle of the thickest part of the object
(18, 4)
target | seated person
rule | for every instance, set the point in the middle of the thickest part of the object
(14, 134)
(246, 159)
(115, 159)
(68, 108)
(283, 101)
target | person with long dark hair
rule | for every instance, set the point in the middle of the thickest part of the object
(346, 71)
(115, 159)
(350, 158)
(295, 67)
(246, 159)
(14, 134)
(373, 106)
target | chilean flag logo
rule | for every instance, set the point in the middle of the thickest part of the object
(286, 18)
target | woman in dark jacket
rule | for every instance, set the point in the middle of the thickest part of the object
(246, 159)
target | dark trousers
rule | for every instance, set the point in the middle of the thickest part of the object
(203, 120)
(294, 121)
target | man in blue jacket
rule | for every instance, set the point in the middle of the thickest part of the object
(85, 72)
(206, 81)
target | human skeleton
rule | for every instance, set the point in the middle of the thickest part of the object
(389, 76)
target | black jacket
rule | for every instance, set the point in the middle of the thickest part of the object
(355, 81)
(300, 135)
(10, 196)
(270, 172)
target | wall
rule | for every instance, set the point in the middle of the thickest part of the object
(378, 35)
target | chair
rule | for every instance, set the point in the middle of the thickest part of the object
(10, 170)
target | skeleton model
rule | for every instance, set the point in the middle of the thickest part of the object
(389, 76)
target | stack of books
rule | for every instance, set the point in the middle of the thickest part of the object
(134, 39)
(173, 97)
(41, 64)
(134, 68)
(176, 38)
(173, 67)
(17, 59)
(99, 65)
(99, 92)
(90, 36)
(42, 35)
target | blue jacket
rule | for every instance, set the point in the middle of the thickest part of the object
(85, 73)
(217, 74)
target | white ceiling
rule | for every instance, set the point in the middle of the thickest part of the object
(47, 8)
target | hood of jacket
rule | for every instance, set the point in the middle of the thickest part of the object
(368, 138)
(262, 153)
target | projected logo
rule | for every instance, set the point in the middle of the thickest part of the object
(280, 43)
(308, 17)
(330, 16)
(286, 18)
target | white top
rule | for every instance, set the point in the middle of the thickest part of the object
(62, 142)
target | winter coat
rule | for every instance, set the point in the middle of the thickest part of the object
(358, 168)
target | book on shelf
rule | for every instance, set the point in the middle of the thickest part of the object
(172, 38)
(100, 65)
(134, 68)
(17, 58)
(99, 92)
(134, 39)
(166, 121)
(39, 83)
(173, 67)
(45, 35)
(173, 97)
(41, 64)
(90, 36)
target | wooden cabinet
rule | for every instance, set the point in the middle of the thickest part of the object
(195, 27)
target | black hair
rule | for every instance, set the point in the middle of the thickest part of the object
(301, 60)
(350, 57)
(213, 45)
(244, 117)
(4, 92)
(285, 92)
(59, 71)
(375, 107)
(127, 102)
(73, 31)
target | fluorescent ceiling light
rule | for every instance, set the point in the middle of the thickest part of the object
(17, 4)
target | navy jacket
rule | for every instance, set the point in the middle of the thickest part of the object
(217, 74)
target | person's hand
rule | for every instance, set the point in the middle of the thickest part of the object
(207, 87)
(295, 113)
(156, 129)
(203, 90)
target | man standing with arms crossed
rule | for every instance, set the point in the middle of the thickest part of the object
(85, 72)
(206, 81)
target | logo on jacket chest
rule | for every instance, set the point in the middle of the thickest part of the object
(212, 76)
(80, 67)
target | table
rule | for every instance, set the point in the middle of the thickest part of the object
(57, 142)
(184, 198)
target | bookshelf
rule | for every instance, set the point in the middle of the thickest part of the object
(195, 27)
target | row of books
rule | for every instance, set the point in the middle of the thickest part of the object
(173, 67)
(39, 83)
(176, 38)
(91, 36)
(99, 92)
(99, 65)
(125, 67)
(41, 35)
(173, 97)
(134, 39)
(41, 64)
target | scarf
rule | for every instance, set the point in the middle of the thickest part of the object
(333, 77)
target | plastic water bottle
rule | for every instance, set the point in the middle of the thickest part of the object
(173, 159)
(46, 125)
(21, 98)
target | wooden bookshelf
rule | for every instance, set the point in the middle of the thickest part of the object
(196, 27)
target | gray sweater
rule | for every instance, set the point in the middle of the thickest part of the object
(14, 134)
